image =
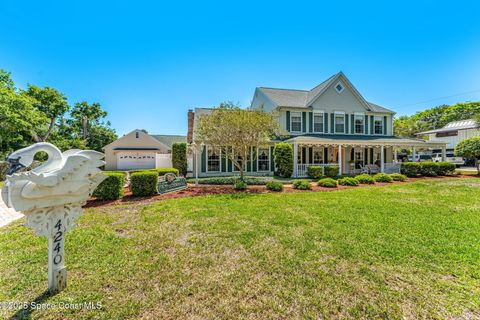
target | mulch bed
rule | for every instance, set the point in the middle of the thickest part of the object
(203, 190)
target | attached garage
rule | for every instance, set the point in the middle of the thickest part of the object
(127, 160)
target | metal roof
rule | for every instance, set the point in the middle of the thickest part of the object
(454, 126)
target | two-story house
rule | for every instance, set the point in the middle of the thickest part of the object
(331, 124)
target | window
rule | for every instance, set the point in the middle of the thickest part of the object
(317, 155)
(339, 87)
(378, 125)
(446, 134)
(213, 160)
(339, 123)
(263, 160)
(359, 124)
(317, 122)
(239, 160)
(296, 122)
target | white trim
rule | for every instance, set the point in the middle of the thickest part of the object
(269, 160)
(301, 121)
(219, 158)
(362, 116)
(375, 118)
(335, 122)
(323, 121)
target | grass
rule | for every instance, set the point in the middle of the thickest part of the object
(466, 172)
(404, 251)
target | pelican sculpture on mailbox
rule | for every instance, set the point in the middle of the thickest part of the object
(52, 195)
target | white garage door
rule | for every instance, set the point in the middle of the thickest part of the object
(135, 160)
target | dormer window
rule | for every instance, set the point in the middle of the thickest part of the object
(339, 87)
(137, 135)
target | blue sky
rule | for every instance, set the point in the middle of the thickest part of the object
(148, 62)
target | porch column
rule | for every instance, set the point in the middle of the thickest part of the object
(196, 165)
(395, 154)
(382, 159)
(295, 159)
(414, 154)
(339, 159)
(444, 153)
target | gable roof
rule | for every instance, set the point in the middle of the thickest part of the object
(304, 98)
(454, 126)
(169, 140)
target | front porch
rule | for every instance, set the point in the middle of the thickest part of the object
(355, 156)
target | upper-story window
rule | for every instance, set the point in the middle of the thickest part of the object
(318, 122)
(359, 124)
(378, 125)
(296, 122)
(339, 123)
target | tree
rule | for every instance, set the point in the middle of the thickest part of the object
(230, 127)
(87, 114)
(179, 157)
(470, 148)
(100, 136)
(283, 155)
(52, 103)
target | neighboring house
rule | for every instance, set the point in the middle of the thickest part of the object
(331, 124)
(452, 133)
(140, 150)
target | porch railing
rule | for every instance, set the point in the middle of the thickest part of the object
(302, 168)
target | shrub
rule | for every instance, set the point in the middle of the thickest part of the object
(327, 183)
(144, 183)
(283, 155)
(240, 185)
(365, 179)
(398, 177)
(232, 179)
(428, 169)
(444, 168)
(331, 171)
(164, 171)
(315, 172)
(302, 184)
(179, 157)
(348, 181)
(382, 177)
(410, 169)
(111, 188)
(274, 186)
(3, 170)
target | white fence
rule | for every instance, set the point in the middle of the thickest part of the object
(302, 168)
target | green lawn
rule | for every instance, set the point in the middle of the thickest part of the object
(402, 251)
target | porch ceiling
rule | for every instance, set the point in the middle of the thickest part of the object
(362, 140)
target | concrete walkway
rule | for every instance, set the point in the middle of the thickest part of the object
(7, 215)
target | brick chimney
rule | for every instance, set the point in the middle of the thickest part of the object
(191, 117)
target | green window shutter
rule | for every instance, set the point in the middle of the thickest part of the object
(352, 155)
(385, 125)
(325, 155)
(371, 125)
(272, 160)
(304, 121)
(249, 161)
(203, 159)
(366, 124)
(310, 155)
(310, 126)
(304, 154)
(371, 155)
(223, 160)
(254, 160)
(288, 121)
(325, 117)
(346, 123)
(332, 122)
(365, 155)
(229, 161)
(352, 125)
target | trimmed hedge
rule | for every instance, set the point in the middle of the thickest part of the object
(398, 177)
(348, 181)
(331, 171)
(327, 183)
(302, 184)
(411, 169)
(230, 180)
(179, 157)
(428, 169)
(283, 155)
(144, 183)
(382, 177)
(274, 186)
(444, 168)
(365, 179)
(111, 188)
(240, 185)
(161, 171)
